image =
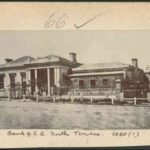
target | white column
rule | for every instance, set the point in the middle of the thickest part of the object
(18, 77)
(7, 85)
(124, 75)
(28, 79)
(48, 81)
(57, 76)
(6, 80)
(28, 76)
(35, 73)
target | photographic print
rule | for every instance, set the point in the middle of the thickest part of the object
(74, 80)
(71, 78)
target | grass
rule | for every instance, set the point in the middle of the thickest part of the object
(46, 115)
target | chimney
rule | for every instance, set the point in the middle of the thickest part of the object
(73, 57)
(135, 62)
(8, 60)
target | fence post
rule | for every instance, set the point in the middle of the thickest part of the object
(53, 99)
(72, 100)
(81, 98)
(91, 100)
(59, 98)
(37, 97)
(112, 101)
(44, 96)
(121, 97)
(9, 92)
(9, 98)
(24, 97)
(135, 100)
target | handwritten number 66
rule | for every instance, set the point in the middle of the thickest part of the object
(57, 23)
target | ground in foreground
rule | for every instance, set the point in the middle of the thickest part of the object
(46, 115)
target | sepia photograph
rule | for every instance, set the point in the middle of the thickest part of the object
(88, 80)
(74, 74)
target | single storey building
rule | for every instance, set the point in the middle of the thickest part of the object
(55, 75)
(109, 79)
(43, 74)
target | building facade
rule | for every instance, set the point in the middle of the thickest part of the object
(55, 75)
(41, 75)
(109, 79)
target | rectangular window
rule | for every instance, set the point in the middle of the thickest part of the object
(1, 81)
(92, 83)
(81, 84)
(105, 82)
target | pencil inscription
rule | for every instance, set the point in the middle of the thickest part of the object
(59, 21)
(56, 21)
(88, 21)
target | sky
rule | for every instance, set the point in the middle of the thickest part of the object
(90, 46)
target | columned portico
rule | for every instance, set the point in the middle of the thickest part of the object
(46, 78)
(45, 75)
